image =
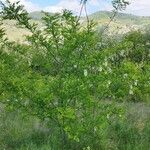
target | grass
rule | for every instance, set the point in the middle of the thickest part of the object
(134, 132)
(19, 133)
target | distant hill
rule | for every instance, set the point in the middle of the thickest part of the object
(104, 16)
(37, 15)
(122, 24)
(120, 17)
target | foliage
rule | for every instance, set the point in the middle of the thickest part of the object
(117, 4)
(120, 4)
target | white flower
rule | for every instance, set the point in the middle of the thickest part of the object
(95, 129)
(136, 82)
(105, 59)
(109, 82)
(106, 72)
(107, 116)
(125, 75)
(112, 58)
(130, 92)
(105, 63)
(85, 73)
(75, 66)
(100, 69)
(109, 70)
(131, 87)
(26, 103)
(122, 53)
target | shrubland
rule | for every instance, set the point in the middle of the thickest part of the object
(68, 76)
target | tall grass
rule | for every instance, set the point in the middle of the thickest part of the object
(20, 133)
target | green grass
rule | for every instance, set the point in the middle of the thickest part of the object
(19, 133)
(134, 132)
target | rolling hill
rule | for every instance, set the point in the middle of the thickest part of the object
(122, 23)
(120, 17)
(37, 15)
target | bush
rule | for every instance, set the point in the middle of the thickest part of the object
(62, 76)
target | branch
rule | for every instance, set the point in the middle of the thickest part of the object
(17, 12)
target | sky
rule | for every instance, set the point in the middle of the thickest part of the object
(136, 7)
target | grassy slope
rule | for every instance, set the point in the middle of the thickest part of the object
(13, 33)
(121, 24)
(18, 34)
(120, 17)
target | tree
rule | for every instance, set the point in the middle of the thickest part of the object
(63, 76)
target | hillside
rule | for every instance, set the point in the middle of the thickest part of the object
(120, 18)
(105, 16)
(122, 23)
(37, 15)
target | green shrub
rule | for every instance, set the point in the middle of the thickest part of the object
(62, 76)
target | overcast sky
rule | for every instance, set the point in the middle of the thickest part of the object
(137, 7)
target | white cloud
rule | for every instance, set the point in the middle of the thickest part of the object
(101, 4)
(53, 9)
(29, 6)
(139, 7)
(94, 2)
(73, 5)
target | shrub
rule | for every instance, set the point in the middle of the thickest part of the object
(62, 76)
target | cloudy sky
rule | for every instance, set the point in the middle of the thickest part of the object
(137, 7)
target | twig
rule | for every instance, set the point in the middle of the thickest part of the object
(86, 14)
(82, 6)
(111, 19)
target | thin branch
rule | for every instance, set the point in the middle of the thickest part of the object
(87, 17)
(81, 10)
(111, 19)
